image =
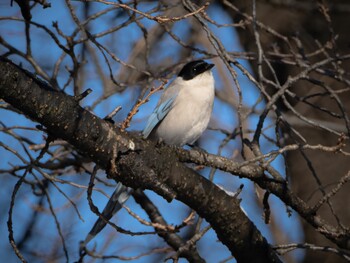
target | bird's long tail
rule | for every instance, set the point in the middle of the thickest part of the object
(115, 203)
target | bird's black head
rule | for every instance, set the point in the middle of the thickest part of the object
(194, 68)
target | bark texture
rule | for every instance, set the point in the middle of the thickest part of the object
(134, 162)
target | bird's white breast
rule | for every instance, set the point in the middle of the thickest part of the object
(191, 112)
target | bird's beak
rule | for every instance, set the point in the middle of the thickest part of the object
(209, 66)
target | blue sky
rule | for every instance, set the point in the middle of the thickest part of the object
(46, 52)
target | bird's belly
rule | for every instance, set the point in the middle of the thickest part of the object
(194, 120)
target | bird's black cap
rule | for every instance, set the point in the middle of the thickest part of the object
(194, 68)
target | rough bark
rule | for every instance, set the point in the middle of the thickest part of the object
(133, 161)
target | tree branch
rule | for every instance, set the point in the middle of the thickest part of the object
(134, 162)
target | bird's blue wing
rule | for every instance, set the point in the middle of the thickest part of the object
(158, 115)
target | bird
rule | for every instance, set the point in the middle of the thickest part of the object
(180, 117)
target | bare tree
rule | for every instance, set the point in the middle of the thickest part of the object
(77, 80)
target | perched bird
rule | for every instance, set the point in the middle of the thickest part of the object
(180, 117)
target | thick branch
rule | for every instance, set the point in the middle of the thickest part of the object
(256, 174)
(135, 162)
(174, 240)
